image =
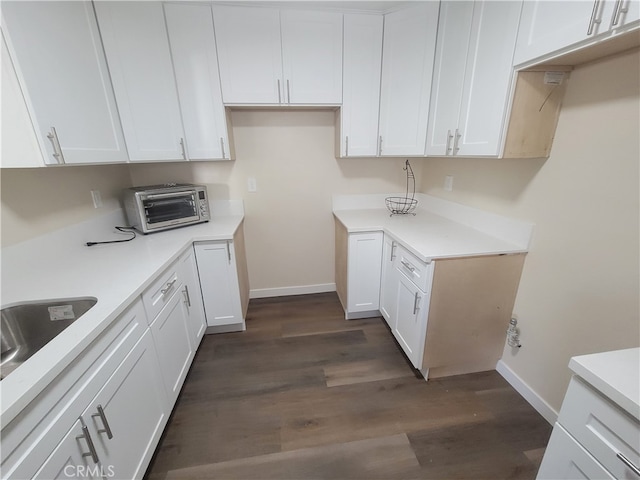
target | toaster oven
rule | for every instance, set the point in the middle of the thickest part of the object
(154, 208)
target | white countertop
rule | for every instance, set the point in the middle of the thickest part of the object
(61, 266)
(427, 235)
(615, 374)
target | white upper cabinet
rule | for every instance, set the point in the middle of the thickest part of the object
(249, 53)
(195, 62)
(550, 27)
(135, 41)
(407, 67)
(269, 57)
(472, 78)
(56, 50)
(312, 56)
(361, 85)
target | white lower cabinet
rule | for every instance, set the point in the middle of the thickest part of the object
(387, 295)
(105, 413)
(171, 335)
(593, 438)
(192, 297)
(219, 283)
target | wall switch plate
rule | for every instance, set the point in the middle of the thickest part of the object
(252, 186)
(448, 183)
(97, 198)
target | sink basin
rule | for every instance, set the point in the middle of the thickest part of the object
(27, 327)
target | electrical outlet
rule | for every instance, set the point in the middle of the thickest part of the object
(252, 186)
(97, 198)
(448, 183)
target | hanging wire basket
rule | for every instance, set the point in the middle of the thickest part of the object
(407, 204)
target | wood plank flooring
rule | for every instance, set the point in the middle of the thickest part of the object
(305, 394)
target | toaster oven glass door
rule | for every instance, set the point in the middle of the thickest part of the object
(166, 209)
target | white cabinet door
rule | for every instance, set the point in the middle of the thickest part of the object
(127, 417)
(364, 271)
(135, 41)
(249, 53)
(488, 76)
(219, 283)
(195, 63)
(389, 282)
(56, 50)
(472, 77)
(193, 298)
(171, 336)
(68, 460)
(454, 30)
(361, 85)
(407, 67)
(551, 26)
(312, 56)
(411, 319)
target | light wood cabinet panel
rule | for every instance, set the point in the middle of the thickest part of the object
(471, 304)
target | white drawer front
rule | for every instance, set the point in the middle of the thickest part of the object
(415, 269)
(602, 428)
(564, 458)
(160, 292)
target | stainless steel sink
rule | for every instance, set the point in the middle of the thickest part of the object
(27, 327)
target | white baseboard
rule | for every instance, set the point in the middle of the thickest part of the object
(536, 401)
(284, 291)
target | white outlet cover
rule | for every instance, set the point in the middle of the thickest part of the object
(448, 183)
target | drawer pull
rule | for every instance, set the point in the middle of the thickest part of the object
(169, 286)
(92, 449)
(103, 417)
(408, 266)
(393, 251)
(629, 464)
(594, 20)
(187, 298)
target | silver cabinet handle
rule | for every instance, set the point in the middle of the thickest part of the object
(279, 94)
(169, 286)
(594, 20)
(346, 146)
(393, 249)
(449, 138)
(184, 151)
(617, 11)
(288, 93)
(187, 298)
(416, 300)
(105, 423)
(222, 147)
(629, 464)
(455, 142)
(57, 150)
(380, 146)
(92, 449)
(228, 251)
(408, 266)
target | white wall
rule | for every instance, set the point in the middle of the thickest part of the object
(288, 223)
(580, 286)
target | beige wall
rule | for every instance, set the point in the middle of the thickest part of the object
(288, 225)
(580, 289)
(40, 200)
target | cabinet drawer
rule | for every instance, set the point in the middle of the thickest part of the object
(601, 427)
(566, 458)
(415, 269)
(160, 292)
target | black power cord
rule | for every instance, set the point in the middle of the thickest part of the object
(120, 229)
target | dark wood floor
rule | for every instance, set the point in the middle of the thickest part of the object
(305, 394)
